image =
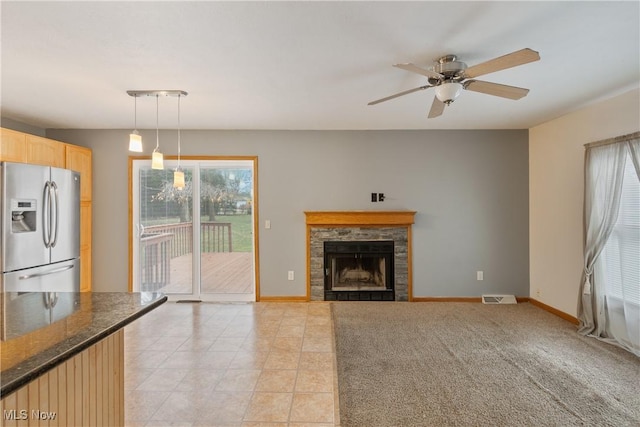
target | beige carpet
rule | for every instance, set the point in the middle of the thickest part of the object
(469, 364)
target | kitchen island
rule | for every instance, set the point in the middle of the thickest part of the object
(71, 370)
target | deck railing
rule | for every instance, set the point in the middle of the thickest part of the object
(160, 243)
(156, 262)
(182, 237)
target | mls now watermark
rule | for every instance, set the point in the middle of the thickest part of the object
(23, 414)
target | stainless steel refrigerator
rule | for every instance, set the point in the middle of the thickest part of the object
(40, 228)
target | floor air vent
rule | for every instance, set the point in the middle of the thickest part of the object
(499, 299)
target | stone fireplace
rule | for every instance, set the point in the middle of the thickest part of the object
(359, 255)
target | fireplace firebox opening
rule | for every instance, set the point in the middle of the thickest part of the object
(359, 270)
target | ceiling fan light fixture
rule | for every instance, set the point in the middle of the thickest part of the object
(448, 92)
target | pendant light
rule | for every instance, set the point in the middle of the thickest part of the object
(157, 159)
(135, 140)
(178, 173)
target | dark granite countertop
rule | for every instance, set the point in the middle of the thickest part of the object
(89, 318)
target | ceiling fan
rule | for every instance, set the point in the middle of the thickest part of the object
(449, 76)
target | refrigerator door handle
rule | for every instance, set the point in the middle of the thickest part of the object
(53, 298)
(45, 273)
(50, 299)
(46, 212)
(54, 190)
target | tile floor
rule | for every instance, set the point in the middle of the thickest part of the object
(241, 365)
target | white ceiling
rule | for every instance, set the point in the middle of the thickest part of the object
(305, 65)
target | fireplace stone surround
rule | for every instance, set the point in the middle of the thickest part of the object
(325, 226)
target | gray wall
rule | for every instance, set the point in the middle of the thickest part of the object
(470, 189)
(21, 127)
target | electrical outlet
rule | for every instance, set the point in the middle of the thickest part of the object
(290, 275)
(267, 223)
(480, 275)
(538, 292)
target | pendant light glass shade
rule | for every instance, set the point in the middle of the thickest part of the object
(157, 160)
(135, 142)
(178, 179)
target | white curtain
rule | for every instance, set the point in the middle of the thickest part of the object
(634, 149)
(611, 319)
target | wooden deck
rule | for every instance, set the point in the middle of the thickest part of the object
(221, 273)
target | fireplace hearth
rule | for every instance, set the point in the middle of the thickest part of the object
(359, 271)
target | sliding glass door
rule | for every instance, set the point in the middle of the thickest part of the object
(197, 242)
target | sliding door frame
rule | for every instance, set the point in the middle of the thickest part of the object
(255, 203)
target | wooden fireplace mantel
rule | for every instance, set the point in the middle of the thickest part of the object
(360, 218)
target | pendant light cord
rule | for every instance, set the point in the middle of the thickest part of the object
(135, 112)
(157, 124)
(178, 133)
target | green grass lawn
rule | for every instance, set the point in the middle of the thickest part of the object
(241, 231)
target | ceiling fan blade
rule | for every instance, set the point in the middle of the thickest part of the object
(415, 69)
(437, 108)
(406, 92)
(495, 89)
(520, 57)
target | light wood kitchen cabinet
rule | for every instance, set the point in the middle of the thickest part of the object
(79, 159)
(13, 146)
(85, 270)
(43, 151)
(24, 148)
(85, 246)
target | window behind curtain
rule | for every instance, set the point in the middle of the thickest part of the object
(618, 266)
(620, 259)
